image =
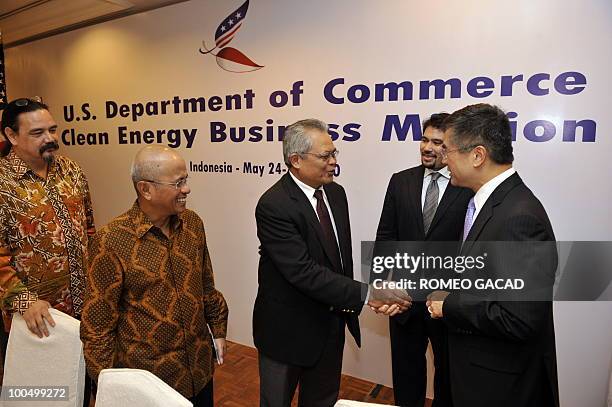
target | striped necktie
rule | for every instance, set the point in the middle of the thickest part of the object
(431, 201)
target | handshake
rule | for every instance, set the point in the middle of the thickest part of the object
(388, 301)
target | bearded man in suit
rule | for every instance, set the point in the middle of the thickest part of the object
(420, 205)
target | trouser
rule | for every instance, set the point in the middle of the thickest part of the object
(205, 397)
(409, 364)
(319, 384)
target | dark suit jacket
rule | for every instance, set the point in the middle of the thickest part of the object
(299, 287)
(502, 353)
(402, 217)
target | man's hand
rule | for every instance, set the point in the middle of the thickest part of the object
(388, 310)
(35, 318)
(389, 301)
(435, 303)
(221, 349)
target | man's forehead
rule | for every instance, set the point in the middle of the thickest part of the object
(433, 133)
(173, 166)
(38, 118)
(320, 138)
(448, 137)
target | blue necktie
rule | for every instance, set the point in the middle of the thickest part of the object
(469, 219)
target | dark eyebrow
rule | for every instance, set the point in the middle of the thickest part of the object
(39, 129)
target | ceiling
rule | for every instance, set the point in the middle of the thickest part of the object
(28, 20)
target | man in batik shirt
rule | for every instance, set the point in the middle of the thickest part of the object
(151, 296)
(46, 220)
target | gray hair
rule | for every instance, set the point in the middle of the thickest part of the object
(297, 141)
(148, 162)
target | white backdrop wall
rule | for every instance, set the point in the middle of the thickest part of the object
(154, 56)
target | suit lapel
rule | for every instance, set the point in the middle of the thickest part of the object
(305, 207)
(339, 215)
(479, 223)
(487, 211)
(450, 194)
(415, 188)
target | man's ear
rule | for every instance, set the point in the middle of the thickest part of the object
(295, 160)
(11, 135)
(479, 156)
(144, 189)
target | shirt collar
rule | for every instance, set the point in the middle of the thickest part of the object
(487, 189)
(17, 164)
(307, 189)
(445, 172)
(142, 222)
(21, 168)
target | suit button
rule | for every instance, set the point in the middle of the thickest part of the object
(331, 308)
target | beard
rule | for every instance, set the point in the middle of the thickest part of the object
(432, 164)
(51, 146)
(429, 165)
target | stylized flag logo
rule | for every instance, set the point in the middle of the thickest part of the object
(228, 58)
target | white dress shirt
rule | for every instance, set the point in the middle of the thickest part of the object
(309, 192)
(487, 189)
(443, 181)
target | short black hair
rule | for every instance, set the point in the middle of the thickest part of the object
(482, 124)
(10, 117)
(435, 121)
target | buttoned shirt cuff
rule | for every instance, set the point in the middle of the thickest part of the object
(367, 298)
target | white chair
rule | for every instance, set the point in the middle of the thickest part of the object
(136, 388)
(48, 362)
(351, 403)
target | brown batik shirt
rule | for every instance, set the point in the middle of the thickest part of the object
(149, 300)
(45, 226)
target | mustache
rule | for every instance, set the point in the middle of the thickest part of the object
(51, 146)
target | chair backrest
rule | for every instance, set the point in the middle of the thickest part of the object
(136, 388)
(49, 363)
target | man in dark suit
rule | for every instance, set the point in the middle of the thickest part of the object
(501, 348)
(420, 205)
(306, 293)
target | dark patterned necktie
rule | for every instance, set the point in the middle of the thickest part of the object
(328, 230)
(431, 201)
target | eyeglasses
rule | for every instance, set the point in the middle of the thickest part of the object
(177, 185)
(444, 153)
(326, 156)
(26, 101)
